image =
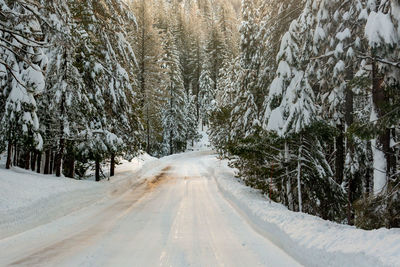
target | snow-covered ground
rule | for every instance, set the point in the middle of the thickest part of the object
(190, 210)
(28, 199)
(311, 240)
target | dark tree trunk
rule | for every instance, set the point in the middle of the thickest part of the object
(369, 172)
(71, 167)
(339, 159)
(198, 74)
(171, 147)
(97, 170)
(61, 147)
(59, 157)
(51, 162)
(112, 167)
(15, 155)
(33, 161)
(148, 131)
(379, 98)
(394, 154)
(9, 155)
(38, 162)
(20, 159)
(27, 160)
(349, 118)
(47, 162)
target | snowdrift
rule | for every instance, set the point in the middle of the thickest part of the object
(309, 239)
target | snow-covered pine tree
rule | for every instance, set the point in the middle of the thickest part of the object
(22, 62)
(292, 112)
(382, 31)
(273, 114)
(220, 123)
(206, 94)
(173, 115)
(106, 61)
(196, 55)
(190, 117)
(336, 44)
(148, 50)
(245, 116)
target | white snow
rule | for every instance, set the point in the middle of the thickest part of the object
(343, 35)
(28, 199)
(311, 240)
(339, 67)
(380, 28)
(203, 144)
(275, 122)
(284, 69)
(200, 215)
(380, 182)
(319, 35)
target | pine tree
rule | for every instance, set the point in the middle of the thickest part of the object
(206, 94)
(173, 116)
(148, 50)
(22, 61)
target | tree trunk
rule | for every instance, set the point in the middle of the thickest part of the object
(47, 162)
(349, 118)
(60, 152)
(97, 172)
(148, 130)
(394, 153)
(112, 165)
(39, 162)
(59, 157)
(20, 159)
(27, 160)
(69, 165)
(15, 155)
(288, 177)
(33, 161)
(382, 145)
(299, 163)
(339, 159)
(51, 162)
(171, 149)
(9, 155)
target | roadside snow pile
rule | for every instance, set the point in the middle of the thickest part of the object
(311, 240)
(28, 199)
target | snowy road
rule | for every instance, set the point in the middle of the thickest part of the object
(177, 217)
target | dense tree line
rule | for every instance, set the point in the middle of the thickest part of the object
(88, 82)
(312, 101)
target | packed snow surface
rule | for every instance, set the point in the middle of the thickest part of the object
(190, 210)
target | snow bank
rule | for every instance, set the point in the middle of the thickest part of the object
(28, 199)
(309, 239)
